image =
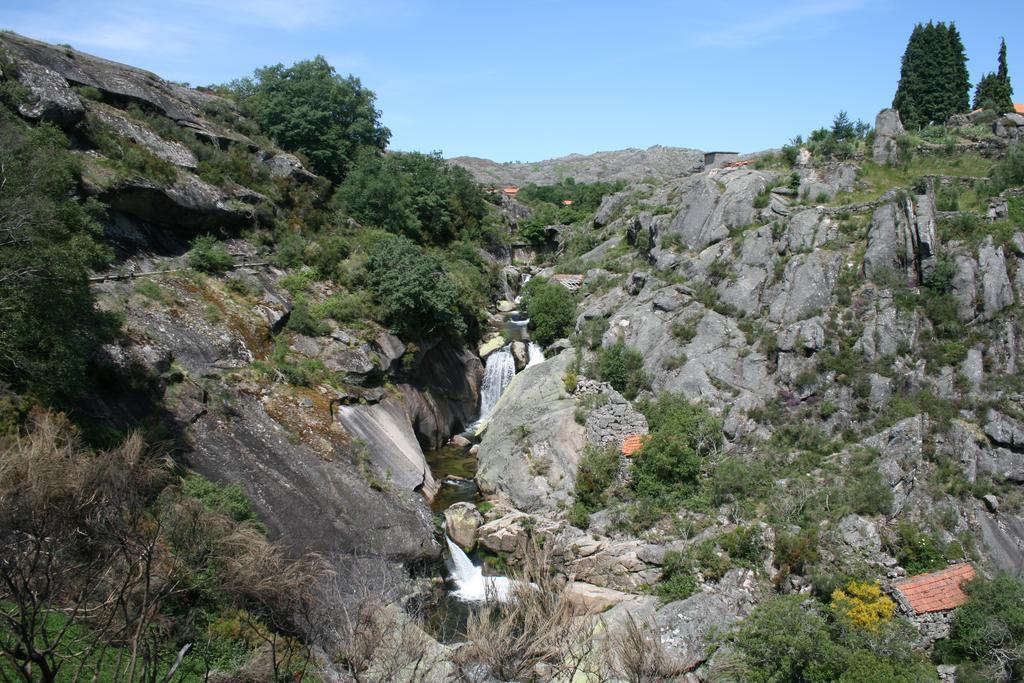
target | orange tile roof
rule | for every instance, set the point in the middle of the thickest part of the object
(1018, 107)
(938, 591)
(567, 202)
(631, 444)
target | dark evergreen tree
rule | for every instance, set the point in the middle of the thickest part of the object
(994, 91)
(934, 83)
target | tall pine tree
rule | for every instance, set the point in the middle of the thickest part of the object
(994, 91)
(934, 83)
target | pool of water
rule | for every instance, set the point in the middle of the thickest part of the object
(454, 468)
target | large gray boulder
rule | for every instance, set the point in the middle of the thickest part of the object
(126, 127)
(888, 127)
(714, 205)
(442, 390)
(965, 288)
(531, 447)
(1009, 127)
(51, 98)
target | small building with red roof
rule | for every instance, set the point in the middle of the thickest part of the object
(928, 600)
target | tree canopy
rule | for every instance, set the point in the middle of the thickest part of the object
(416, 297)
(417, 195)
(310, 109)
(994, 91)
(934, 83)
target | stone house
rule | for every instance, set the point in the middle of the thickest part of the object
(928, 600)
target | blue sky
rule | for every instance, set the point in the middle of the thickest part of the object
(535, 79)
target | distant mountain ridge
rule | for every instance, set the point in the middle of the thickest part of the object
(627, 164)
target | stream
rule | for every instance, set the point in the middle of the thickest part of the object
(454, 468)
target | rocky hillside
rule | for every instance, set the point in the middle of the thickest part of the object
(632, 165)
(855, 328)
(815, 356)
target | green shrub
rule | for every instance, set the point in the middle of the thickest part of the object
(303, 320)
(593, 331)
(346, 309)
(228, 500)
(988, 630)
(915, 550)
(666, 466)
(677, 581)
(796, 640)
(597, 470)
(551, 309)
(208, 255)
(623, 367)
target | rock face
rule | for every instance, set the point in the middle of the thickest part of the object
(52, 99)
(532, 443)
(902, 238)
(684, 626)
(888, 127)
(443, 391)
(996, 292)
(391, 449)
(461, 521)
(710, 210)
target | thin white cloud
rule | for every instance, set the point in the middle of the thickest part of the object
(776, 22)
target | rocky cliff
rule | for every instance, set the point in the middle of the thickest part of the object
(333, 466)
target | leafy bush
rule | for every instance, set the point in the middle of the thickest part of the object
(551, 309)
(666, 466)
(208, 255)
(988, 630)
(51, 243)
(916, 551)
(229, 500)
(346, 309)
(303, 320)
(794, 639)
(416, 297)
(623, 367)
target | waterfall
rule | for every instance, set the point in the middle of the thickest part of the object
(498, 372)
(473, 586)
(522, 283)
(536, 354)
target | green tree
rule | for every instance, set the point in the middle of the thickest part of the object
(49, 242)
(994, 91)
(934, 82)
(308, 108)
(417, 299)
(551, 309)
(417, 195)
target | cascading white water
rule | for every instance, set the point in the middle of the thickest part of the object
(473, 586)
(498, 372)
(522, 283)
(536, 354)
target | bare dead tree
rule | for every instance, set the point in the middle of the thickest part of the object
(79, 549)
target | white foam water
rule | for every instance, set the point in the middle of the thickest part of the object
(472, 585)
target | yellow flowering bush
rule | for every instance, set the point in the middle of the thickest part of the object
(864, 604)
